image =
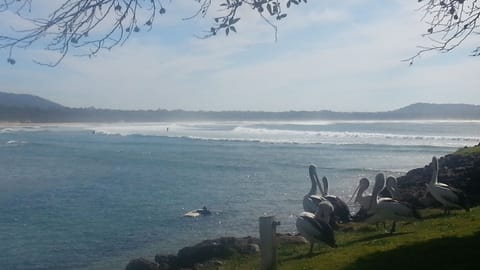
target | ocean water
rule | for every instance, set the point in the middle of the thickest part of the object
(94, 196)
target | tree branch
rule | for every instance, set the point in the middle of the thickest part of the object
(94, 25)
(450, 23)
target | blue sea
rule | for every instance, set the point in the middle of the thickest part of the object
(94, 196)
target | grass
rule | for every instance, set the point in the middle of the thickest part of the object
(467, 151)
(438, 241)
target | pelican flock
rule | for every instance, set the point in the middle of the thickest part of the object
(449, 197)
(322, 211)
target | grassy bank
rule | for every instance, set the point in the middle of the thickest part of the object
(467, 151)
(438, 241)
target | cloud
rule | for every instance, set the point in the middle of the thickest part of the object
(329, 56)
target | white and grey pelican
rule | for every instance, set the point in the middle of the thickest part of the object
(384, 209)
(312, 198)
(341, 210)
(363, 200)
(448, 196)
(315, 230)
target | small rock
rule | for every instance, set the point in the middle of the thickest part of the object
(141, 264)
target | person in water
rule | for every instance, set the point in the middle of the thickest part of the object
(204, 211)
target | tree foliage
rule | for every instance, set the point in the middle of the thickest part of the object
(450, 23)
(94, 25)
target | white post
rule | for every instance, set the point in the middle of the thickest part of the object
(268, 243)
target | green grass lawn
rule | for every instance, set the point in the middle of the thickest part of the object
(436, 242)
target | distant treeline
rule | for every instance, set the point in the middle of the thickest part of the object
(64, 114)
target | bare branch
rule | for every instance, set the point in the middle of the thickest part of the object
(450, 23)
(91, 26)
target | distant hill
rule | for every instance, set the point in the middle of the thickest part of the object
(27, 101)
(29, 108)
(442, 111)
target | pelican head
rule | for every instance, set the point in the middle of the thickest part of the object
(362, 186)
(312, 170)
(313, 177)
(379, 184)
(325, 186)
(391, 185)
(434, 170)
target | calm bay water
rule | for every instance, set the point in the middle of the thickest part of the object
(93, 196)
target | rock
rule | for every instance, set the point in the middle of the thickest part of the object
(141, 264)
(459, 171)
(208, 265)
(290, 239)
(220, 248)
(165, 261)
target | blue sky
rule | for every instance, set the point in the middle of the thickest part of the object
(338, 55)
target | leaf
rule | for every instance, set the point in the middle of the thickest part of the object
(233, 29)
(227, 30)
(269, 8)
(233, 21)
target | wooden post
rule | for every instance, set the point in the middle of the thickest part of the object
(268, 243)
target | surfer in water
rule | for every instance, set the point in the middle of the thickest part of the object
(204, 211)
(199, 212)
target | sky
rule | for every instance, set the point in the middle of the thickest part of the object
(335, 55)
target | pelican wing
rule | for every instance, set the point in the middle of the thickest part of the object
(461, 197)
(447, 193)
(310, 203)
(341, 209)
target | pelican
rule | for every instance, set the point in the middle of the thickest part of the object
(383, 209)
(391, 187)
(324, 212)
(312, 198)
(315, 230)
(448, 196)
(341, 211)
(363, 201)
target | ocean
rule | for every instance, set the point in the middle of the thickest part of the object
(94, 196)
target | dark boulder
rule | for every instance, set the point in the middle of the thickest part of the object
(220, 248)
(457, 170)
(141, 264)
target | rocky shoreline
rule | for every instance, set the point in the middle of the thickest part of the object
(460, 170)
(208, 254)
